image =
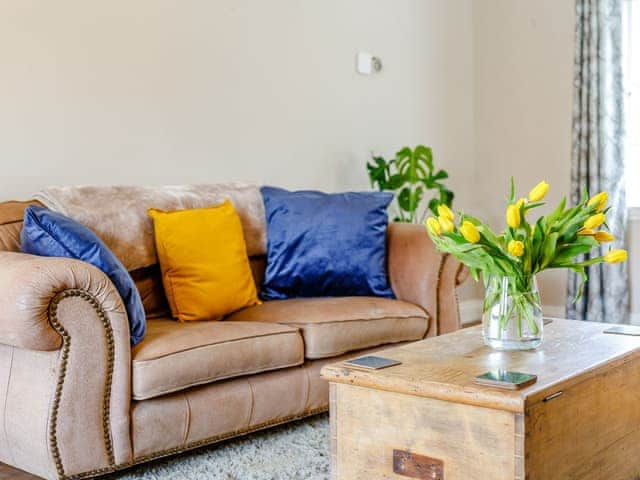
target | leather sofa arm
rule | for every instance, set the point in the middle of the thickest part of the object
(65, 362)
(420, 274)
(453, 273)
(30, 283)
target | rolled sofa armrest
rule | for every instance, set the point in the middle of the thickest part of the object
(65, 362)
(453, 273)
(421, 275)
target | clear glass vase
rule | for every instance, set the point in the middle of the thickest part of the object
(512, 313)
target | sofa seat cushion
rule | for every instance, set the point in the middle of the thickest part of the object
(335, 325)
(174, 356)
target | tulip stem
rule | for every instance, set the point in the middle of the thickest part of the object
(517, 304)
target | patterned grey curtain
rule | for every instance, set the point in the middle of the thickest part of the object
(598, 147)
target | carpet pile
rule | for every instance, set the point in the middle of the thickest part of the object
(295, 451)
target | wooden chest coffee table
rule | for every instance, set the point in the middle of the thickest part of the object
(426, 418)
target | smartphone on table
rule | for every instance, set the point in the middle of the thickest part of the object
(506, 379)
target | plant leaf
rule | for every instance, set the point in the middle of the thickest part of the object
(395, 182)
(512, 191)
(404, 199)
(440, 175)
(548, 249)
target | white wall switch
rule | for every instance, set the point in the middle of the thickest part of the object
(366, 63)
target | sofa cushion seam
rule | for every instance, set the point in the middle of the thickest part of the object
(206, 381)
(344, 352)
(187, 415)
(191, 349)
(348, 320)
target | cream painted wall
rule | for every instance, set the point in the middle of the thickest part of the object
(523, 95)
(159, 91)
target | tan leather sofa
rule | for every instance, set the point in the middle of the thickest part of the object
(77, 401)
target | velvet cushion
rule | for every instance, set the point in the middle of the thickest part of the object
(50, 234)
(325, 245)
(203, 258)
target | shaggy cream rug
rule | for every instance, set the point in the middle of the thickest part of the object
(295, 451)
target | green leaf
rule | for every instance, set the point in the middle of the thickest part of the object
(395, 182)
(446, 197)
(429, 183)
(583, 277)
(415, 199)
(590, 262)
(536, 245)
(410, 174)
(404, 199)
(585, 195)
(433, 205)
(512, 191)
(567, 253)
(403, 160)
(378, 172)
(475, 274)
(424, 155)
(487, 233)
(548, 249)
(529, 206)
(440, 175)
(555, 215)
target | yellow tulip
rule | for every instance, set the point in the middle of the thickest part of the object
(445, 212)
(616, 256)
(469, 232)
(515, 248)
(538, 192)
(600, 200)
(594, 221)
(446, 224)
(433, 225)
(513, 216)
(520, 202)
(586, 232)
(604, 237)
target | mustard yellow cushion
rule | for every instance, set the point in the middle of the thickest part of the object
(203, 258)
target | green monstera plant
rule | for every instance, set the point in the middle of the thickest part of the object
(410, 175)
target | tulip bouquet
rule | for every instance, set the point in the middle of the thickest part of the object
(509, 261)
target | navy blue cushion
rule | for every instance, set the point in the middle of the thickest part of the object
(325, 245)
(51, 234)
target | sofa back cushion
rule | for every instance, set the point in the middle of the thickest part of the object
(147, 279)
(118, 215)
(118, 204)
(11, 219)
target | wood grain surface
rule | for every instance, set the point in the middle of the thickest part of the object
(580, 421)
(444, 367)
(371, 424)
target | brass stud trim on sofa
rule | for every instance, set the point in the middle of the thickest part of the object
(195, 445)
(112, 467)
(64, 357)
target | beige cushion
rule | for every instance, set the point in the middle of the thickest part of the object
(333, 326)
(174, 356)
